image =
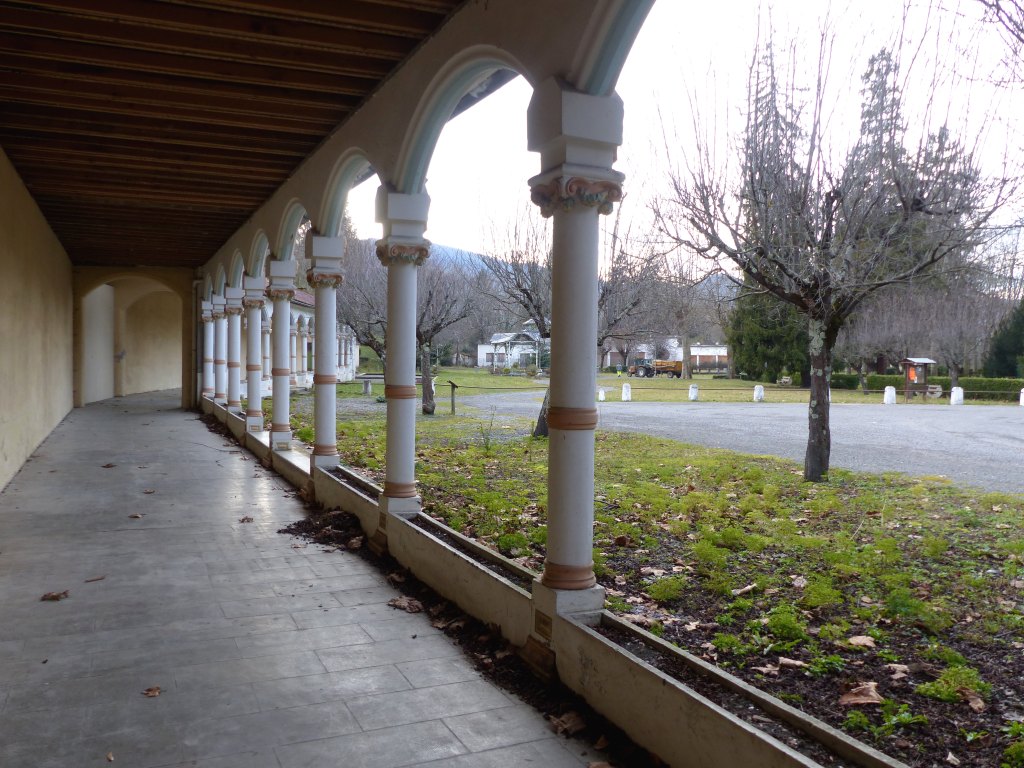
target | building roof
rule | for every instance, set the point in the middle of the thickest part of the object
(919, 361)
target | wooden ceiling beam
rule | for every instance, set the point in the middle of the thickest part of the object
(173, 65)
(86, 160)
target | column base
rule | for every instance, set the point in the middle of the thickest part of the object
(583, 604)
(324, 461)
(281, 441)
(234, 407)
(400, 507)
(253, 423)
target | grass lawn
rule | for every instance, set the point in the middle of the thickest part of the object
(806, 590)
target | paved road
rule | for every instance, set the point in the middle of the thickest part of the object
(980, 445)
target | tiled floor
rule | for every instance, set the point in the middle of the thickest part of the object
(268, 654)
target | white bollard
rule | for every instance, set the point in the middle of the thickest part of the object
(367, 387)
(758, 394)
(1022, 397)
(600, 395)
(889, 398)
(693, 393)
(956, 396)
(627, 393)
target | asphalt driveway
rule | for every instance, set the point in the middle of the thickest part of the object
(979, 445)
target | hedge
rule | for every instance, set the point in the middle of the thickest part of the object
(975, 387)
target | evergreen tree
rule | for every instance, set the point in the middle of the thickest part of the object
(766, 337)
(1006, 356)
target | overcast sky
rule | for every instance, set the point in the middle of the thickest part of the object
(698, 53)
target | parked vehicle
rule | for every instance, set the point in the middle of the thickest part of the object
(649, 368)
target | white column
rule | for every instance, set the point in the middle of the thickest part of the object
(208, 344)
(234, 313)
(293, 345)
(220, 351)
(281, 290)
(401, 250)
(339, 351)
(266, 351)
(576, 135)
(253, 302)
(325, 253)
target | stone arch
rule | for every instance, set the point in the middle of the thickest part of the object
(352, 164)
(257, 265)
(458, 77)
(207, 288)
(603, 51)
(294, 212)
(236, 270)
(220, 279)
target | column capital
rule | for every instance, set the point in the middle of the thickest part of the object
(218, 303)
(282, 280)
(400, 250)
(324, 279)
(206, 311)
(254, 288)
(564, 189)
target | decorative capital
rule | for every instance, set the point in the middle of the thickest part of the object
(391, 253)
(276, 294)
(253, 302)
(233, 309)
(566, 192)
(324, 279)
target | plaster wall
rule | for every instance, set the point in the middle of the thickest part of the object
(35, 314)
(152, 343)
(98, 344)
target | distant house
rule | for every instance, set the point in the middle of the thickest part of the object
(703, 357)
(510, 350)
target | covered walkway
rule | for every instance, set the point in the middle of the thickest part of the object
(267, 653)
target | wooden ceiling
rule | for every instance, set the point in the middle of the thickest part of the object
(148, 131)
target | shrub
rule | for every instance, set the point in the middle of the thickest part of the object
(845, 381)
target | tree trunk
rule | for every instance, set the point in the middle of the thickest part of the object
(864, 375)
(687, 370)
(541, 429)
(954, 375)
(428, 381)
(819, 436)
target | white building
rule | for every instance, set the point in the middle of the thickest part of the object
(510, 350)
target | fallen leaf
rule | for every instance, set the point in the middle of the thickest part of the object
(94, 578)
(623, 541)
(899, 671)
(110, 757)
(108, 466)
(791, 663)
(53, 597)
(149, 491)
(744, 590)
(952, 759)
(799, 582)
(691, 626)
(861, 641)
(646, 571)
(135, 516)
(768, 669)
(396, 577)
(406, 603)
(246, 519)
(601, 743)
(152, 693)
(640, 620)
(355, 542)
(570, 723)
(863, 693)
(974, 701)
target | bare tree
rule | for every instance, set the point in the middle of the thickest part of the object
(825, 234)
(441, 301)
(362, 296)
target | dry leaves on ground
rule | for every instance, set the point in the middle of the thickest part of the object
(53, 597)
(861, 641)
(108, 466)
(148, 491)
(110, 757)
(135, 516)
(94, 578)
(152, 693)
(406, 603)
(570, 723)
(246, 519)
(974, 701)
(862, 693)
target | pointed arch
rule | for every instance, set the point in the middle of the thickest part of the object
(350, 169)
(294, 212)
(458, 77)
(257, 265)
(236, 270)
(219, 280)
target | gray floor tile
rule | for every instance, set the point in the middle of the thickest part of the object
(428, 672)
(222, 673)
(544, 754)
(387, 652)
(255, 759)
(302, 640)
(389, 709)
(386, 748)
(481, 731)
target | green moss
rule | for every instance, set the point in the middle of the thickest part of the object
(951, 681)
(667, 589)
(785, 623)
